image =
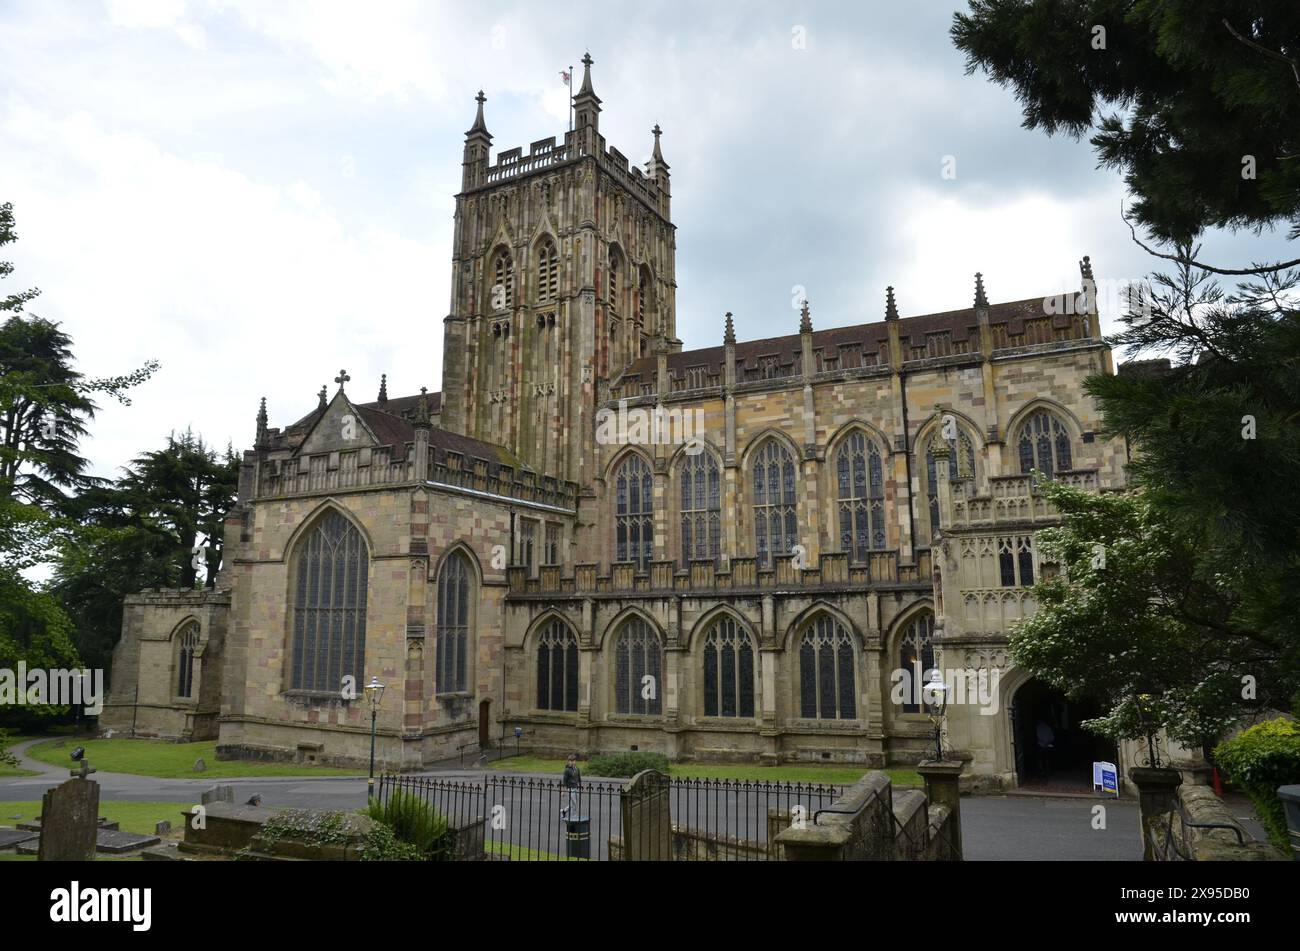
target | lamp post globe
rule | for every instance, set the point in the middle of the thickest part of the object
(934, 695)
(374, 694)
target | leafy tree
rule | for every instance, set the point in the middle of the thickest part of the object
(141, 532)
(45, 403)
(1197, 102)
(1136, 619)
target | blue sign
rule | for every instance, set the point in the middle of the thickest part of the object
(1105, 776)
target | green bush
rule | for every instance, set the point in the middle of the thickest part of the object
(626, 764)
(415, 823)
(1259, 760)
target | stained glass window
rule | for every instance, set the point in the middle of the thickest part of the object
(1044, 444)
(701, 507)
(728, 671)
(329, 614)
(775, 522)
(188, 643)
(634, 522)
(451, 673)
(557, 668)
(915, 648)
(827, 680)
(861, 482)
(638, 669)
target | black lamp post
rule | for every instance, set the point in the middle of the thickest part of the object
(934, 695)
(374, 693)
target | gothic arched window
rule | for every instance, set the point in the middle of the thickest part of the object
(187, 641)
(643, 291)
(961, 465)
(634, 521)
(916, 656)
(557, 668)
(728, 670)
(701, 506)
(638, 666)
(455, 579)
(615, 274)
(775, 523)
(501, 295)
(827, 680)
(548, 273)
(1044, 444)
(861, 481)
(329, 613)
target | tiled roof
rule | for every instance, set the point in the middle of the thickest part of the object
(961, 324)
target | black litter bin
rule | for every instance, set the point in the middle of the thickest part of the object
(577, 838)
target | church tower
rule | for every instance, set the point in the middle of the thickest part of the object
(563, 273)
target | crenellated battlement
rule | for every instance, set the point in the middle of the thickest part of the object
(883, 569)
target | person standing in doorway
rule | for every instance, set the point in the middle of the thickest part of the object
(1046, 741)
(572, 783)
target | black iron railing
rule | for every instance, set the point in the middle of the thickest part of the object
(527, 818)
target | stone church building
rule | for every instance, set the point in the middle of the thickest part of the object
(740, 578)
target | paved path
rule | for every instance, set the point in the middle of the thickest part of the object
(993, 827)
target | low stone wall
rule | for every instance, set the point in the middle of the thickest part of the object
(1188, 822)
(858, 827)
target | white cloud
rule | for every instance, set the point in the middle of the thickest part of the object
(240, 287)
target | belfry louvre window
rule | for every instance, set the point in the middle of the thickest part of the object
(450, 661)
(860, 477)
(528, 545)
(1044, 444)
(502, 293)
(961, 465)
(634, 522)
(329, 614)
(916, 656)
(701, 507)
(827, 681)
(548, 273)
(638, 666)
(615, 265)
(728, 671)
(552, 543)
(188, 642)
(557, 668)
(775, 523)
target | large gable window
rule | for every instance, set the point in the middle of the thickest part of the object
(329, 614)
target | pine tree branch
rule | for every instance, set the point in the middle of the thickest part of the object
(1261, 269)
(1265, 51)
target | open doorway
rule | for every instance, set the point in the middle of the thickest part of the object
(485, 725)
(1053, 750)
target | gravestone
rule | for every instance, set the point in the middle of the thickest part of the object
(222, 793)
(162, 827)
(12, 837)
(646, 807)
(200, 766)
(69, 822)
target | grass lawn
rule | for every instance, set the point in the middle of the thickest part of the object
(10, 743)
(133, 816)
(519, 853)
(785, 773)
(164, 760)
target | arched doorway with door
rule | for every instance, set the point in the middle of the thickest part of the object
(1052, 750)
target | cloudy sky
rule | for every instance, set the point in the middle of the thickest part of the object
(259, 192)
